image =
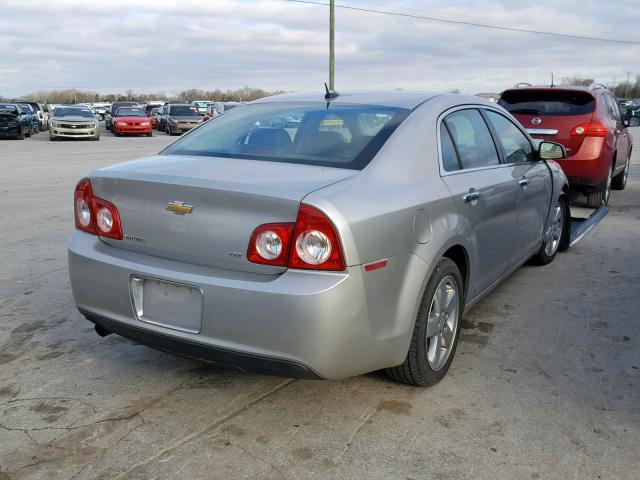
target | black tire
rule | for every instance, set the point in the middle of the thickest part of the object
(595, 199)
(28, 134)
(20, 135)
(150, 134)
(634, 121)
(559, 241)
(619, 182)
(416, 369)
(168, 129)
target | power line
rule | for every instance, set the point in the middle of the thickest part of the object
(471, 24)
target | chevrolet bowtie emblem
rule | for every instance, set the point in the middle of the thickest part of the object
(179, 208)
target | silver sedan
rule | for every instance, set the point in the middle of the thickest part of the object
(319, 236)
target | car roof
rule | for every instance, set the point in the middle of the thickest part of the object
(391, 98)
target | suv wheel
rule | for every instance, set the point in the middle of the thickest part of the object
(594, 200)
(620, 180)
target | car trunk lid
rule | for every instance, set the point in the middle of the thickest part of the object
(202, 210)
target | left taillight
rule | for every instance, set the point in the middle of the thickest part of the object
(95, 215)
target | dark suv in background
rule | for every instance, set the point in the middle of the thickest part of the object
(588, 122)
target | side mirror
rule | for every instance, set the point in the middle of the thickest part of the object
(551, 151)
(627, 122)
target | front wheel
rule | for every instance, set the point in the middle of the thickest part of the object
(436, 331)
(557, 235)
(20, 136)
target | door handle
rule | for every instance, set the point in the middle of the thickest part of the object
(472, 197)
(523, 182)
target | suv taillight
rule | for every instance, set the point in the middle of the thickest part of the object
(312, 243)
(95, 215)
(593, 129)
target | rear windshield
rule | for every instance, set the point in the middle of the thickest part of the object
(7, 108)
(546, 102)
(332, 135)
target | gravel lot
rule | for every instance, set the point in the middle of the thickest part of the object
(546, 383)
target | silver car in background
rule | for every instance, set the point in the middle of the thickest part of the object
(74, 122)
(318, 237)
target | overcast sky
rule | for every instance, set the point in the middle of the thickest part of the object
(170, 45)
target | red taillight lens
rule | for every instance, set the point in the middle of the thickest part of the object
(94, 215)
(593, 129)
(312, 243)
(316, 243)
(270, 244)
(82, 206)
(107, 219)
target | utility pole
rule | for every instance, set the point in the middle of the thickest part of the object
(332, 59)
(626, 89)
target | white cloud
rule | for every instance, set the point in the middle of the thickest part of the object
(175, 44)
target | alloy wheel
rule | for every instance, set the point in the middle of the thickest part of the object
(557, 226)
(442, 322)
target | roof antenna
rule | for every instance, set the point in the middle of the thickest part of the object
(330, 94)
(552, 85)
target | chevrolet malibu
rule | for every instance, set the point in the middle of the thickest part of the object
(318, 236)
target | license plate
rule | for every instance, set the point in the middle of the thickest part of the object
(168, 304)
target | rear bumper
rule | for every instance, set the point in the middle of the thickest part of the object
(588, 168)
(327, 323)
(220, 356)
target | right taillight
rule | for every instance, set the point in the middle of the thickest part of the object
(593, 129)
(312, 243)
(95, 215)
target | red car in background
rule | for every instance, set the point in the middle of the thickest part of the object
(131, 121)
(153, 117)
(588, 122)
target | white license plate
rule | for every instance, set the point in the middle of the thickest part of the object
(168, 304)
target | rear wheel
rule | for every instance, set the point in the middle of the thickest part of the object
(557, 236)
(620, 180)
(437, 328)
(594, 200)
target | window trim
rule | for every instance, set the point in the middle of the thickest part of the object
(440, 120)
(496, 139)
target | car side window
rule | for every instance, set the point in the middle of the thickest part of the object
(612, 107)
(516, 145)
(472, 139)
(450, 160)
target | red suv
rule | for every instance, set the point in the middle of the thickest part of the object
(588, 122)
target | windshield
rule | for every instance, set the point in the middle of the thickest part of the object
(7, 108)
(548, 102)
(130, 112)
(201, 104)
(72, 112)
(333, 135)
(26, 108)
(183, 111)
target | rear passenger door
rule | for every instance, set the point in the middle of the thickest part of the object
(484, 190)
(532, 177)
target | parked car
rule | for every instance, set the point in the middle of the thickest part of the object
(179, 118)
(114, 108)
(352, 242)
(30, 117)
(631, 115)
(153, 116)
(160, 125)
(41, 111)
(74, 122)
(13, 123)
(588, 122)
(131, 120)
(201, 105)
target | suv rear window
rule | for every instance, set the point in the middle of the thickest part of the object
(332, 135)
(548, 102)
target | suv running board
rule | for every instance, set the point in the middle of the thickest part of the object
(581, 226)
